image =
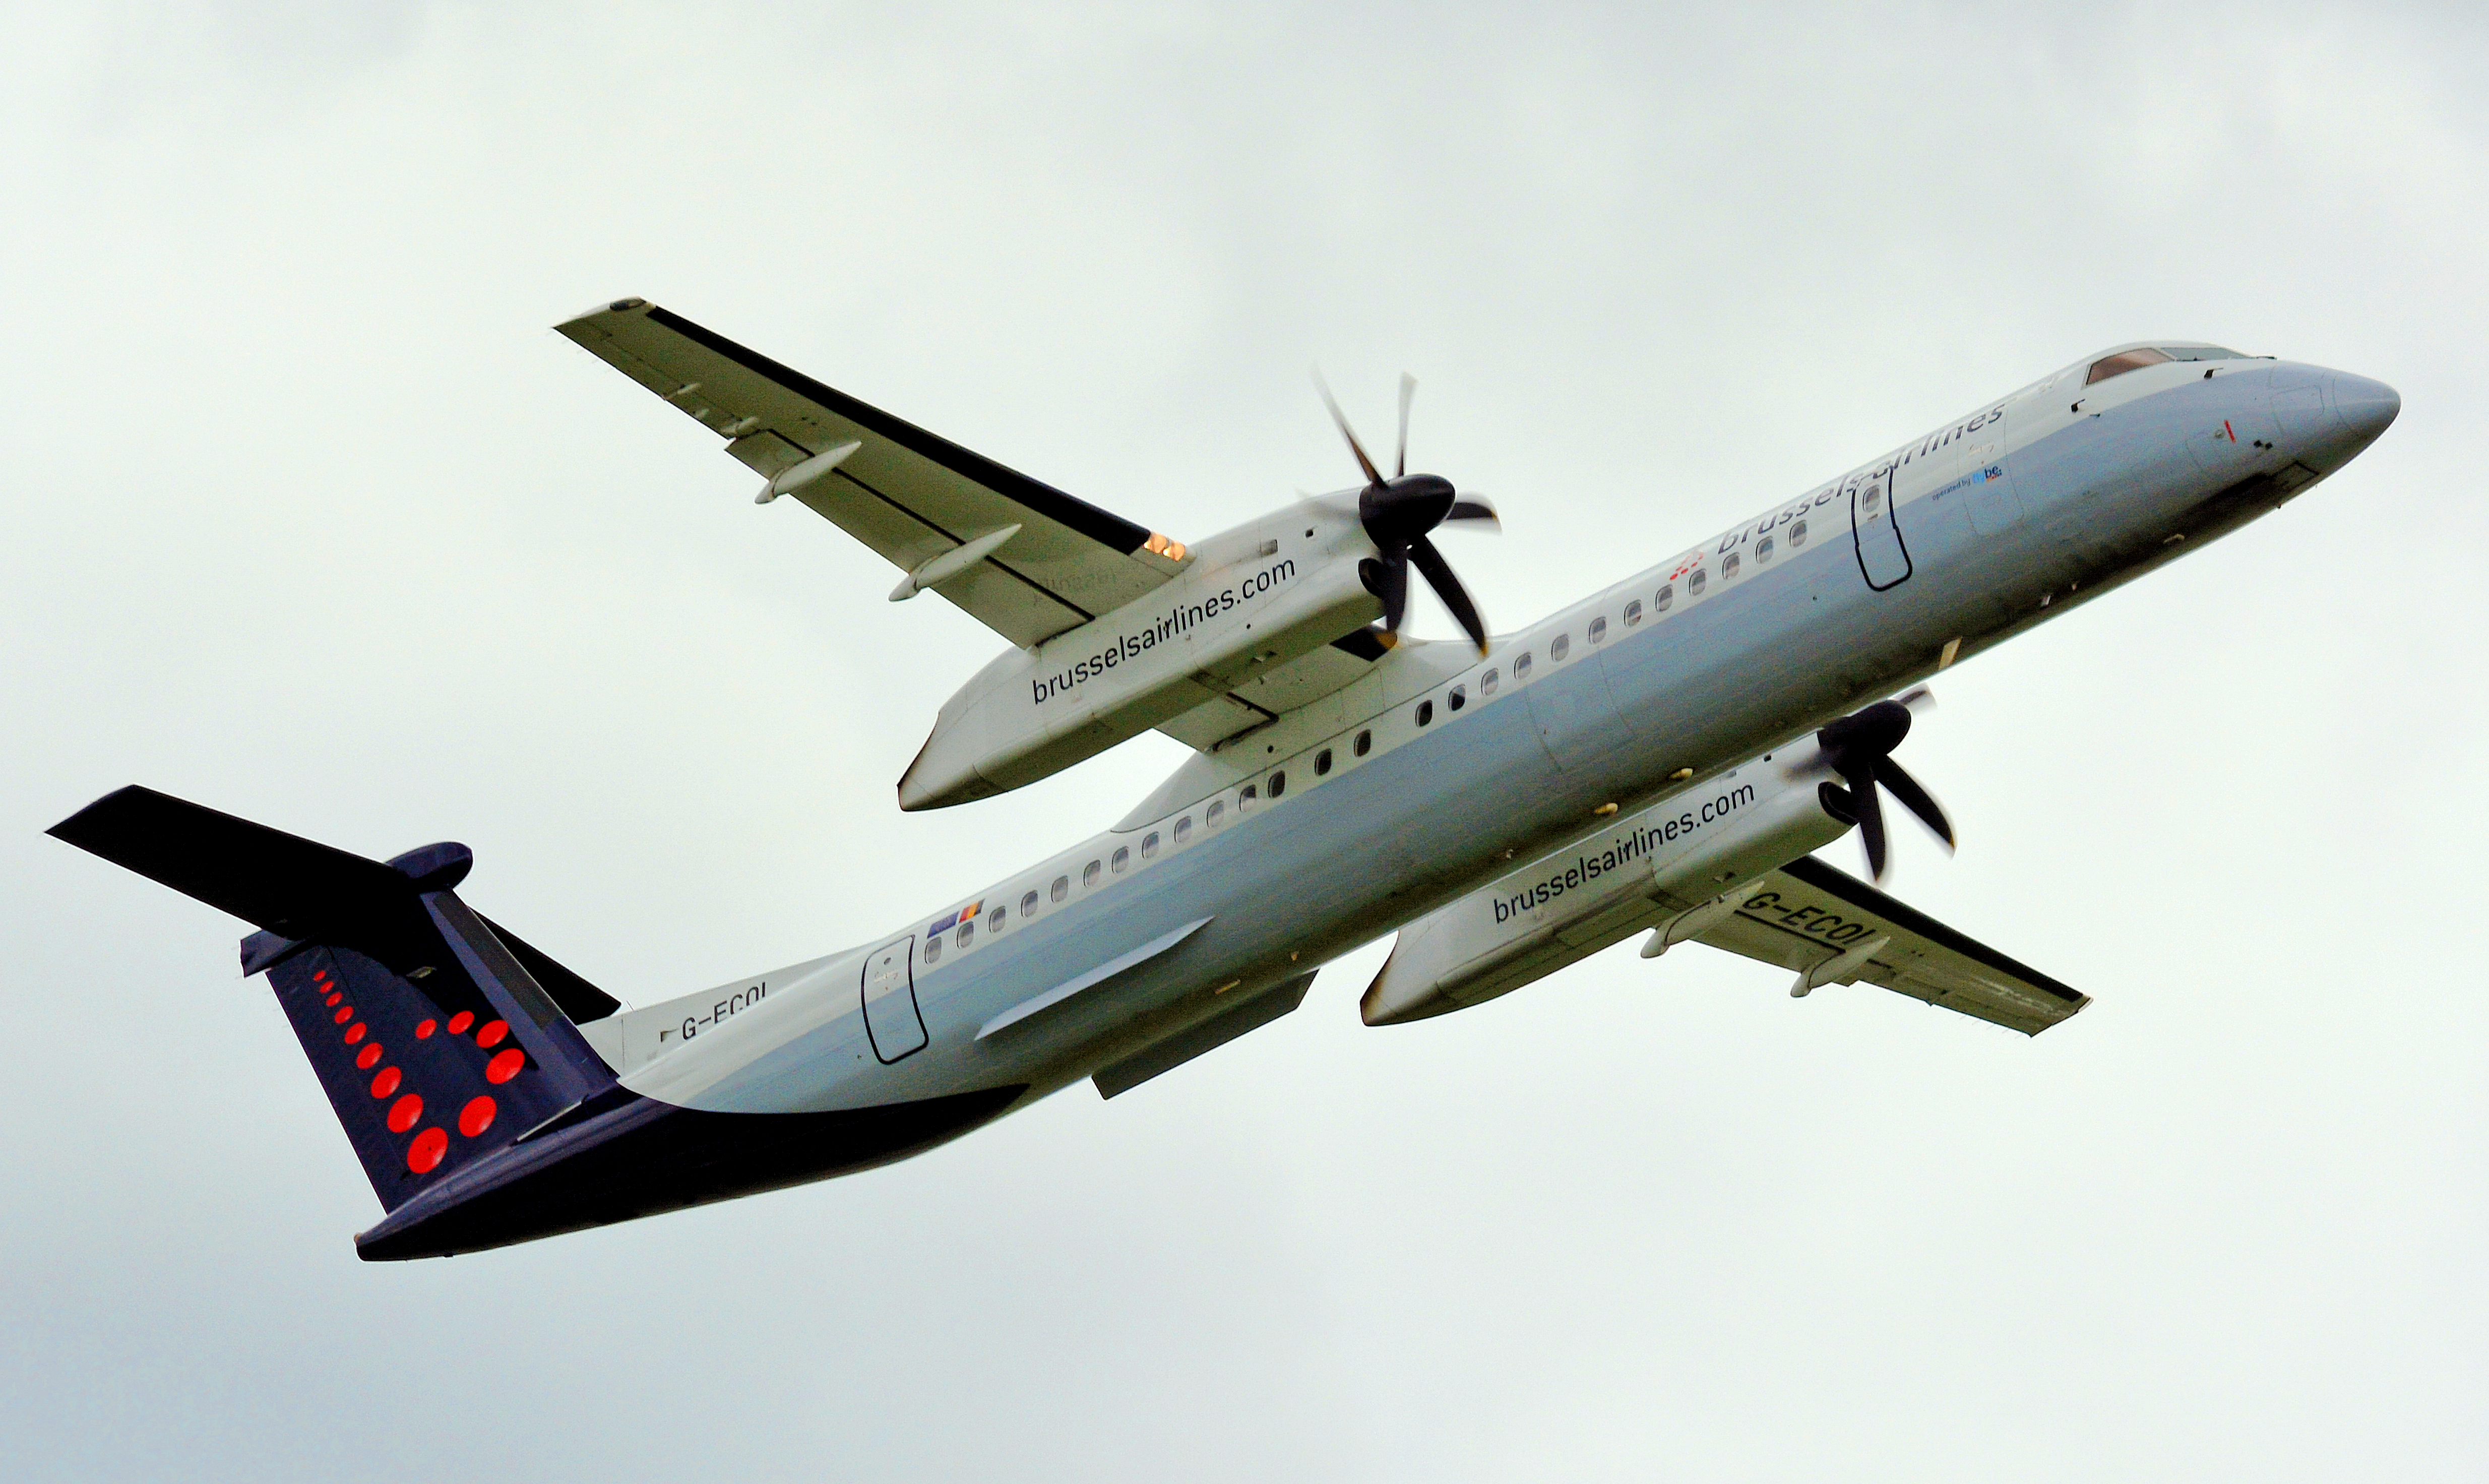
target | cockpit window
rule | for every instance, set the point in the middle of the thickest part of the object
(2121, 362)
(2201, 353)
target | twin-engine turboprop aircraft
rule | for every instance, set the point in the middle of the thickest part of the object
(1661, 758)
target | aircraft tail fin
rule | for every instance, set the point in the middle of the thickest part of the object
(439, 1038)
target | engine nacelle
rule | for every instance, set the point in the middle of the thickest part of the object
(1251, 599)
(1644, 870)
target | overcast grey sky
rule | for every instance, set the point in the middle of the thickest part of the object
(311, 518)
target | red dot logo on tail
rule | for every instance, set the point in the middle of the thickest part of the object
(423, 1156)
(478, 1115)
(387, 1082)
(404, 1112)
(370, 1058)
(505, 1066)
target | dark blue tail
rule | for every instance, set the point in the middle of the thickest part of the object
(439, 1037)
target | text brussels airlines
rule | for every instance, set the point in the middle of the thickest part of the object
(1177, 620)
(1932, 444)
(1636, 844)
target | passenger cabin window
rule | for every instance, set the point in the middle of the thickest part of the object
(1278, 784)
(1797, 534)
(1729, 565)
(1089, 873)
(1123, 858)
(1028, 904)
(1459, 698)
(1321, 763)
(995, 919)
(968, 933)
(1488, 683)
(1558, 647)
(1247, 797)
(1598, 629)
(1364, 745)
(1666, 595)
(1216, 811)
(1425, 712)
(1061, 889)
(1695, 582)
(1633, 612)
(1521, 667)
(2121, 363)
(1873, 495)
(1184, 829)
(1764, 549)
(933, 949)
(1148, 845)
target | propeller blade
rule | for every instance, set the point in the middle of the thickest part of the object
(1447, 587)
(1871, 733)
(1871, 820)
(1407, 391)
(1373, 475)
(1915, 798)
(1387, 577)
(1859, 746)
(1475, 507)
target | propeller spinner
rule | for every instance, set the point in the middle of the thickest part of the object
(1399, 515)
(1859, 746)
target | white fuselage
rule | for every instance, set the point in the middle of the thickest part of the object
(1442, 770)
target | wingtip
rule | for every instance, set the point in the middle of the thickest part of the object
(67, 828)
(629, 304)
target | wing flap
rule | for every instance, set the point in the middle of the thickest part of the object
(1806, 914)
(909, 495)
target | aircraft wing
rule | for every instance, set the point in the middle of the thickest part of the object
(1807, 915)
(907, 494)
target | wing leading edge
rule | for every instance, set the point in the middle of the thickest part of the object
(908, 494)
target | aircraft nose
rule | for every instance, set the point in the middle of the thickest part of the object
(2365, 406)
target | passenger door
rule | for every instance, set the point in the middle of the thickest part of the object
(1883, 557)
(890, 1015)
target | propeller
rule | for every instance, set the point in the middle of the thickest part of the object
(1859, 746)
(1399, 515)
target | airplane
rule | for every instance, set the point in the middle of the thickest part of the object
(1664, 757)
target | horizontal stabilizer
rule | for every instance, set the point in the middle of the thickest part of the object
(299, 889)
(292, 887)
